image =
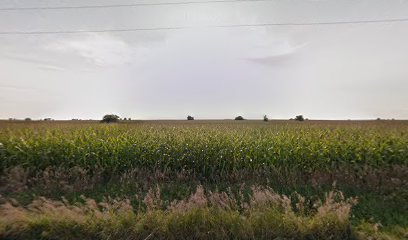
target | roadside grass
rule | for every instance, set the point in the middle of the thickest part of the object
(203, 215)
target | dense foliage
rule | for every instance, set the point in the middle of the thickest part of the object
(206, 149)
(110, 118)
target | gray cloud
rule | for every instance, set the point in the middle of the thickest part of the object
(348, 71)
(42, 64)
(99, 49)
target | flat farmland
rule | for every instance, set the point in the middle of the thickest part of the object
(204, 179)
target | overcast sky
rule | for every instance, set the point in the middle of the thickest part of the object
(323, 72)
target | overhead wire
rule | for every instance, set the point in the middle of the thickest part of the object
(177, 27)
(127, 5)
(205, 26)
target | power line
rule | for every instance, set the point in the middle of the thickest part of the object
(126, 5)
(208, 26)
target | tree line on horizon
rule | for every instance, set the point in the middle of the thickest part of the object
(112, 118)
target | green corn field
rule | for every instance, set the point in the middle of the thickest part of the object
(206, 149)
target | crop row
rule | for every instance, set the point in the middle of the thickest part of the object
(203, 149)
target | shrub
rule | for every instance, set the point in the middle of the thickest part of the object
(265, 118)
(110, 118)
(299, 118)
(239, 118)
(190, 118)
(27, 119)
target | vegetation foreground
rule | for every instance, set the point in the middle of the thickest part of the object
(204, 180)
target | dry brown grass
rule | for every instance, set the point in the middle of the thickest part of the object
(50, 218)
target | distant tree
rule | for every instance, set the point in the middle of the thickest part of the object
(190, 118)
(378, 119)
(129, 119)
(266, 118)
(27, 119)
(125, 119)
(110, 118)
(299, 118)
(239, 118)
(47, 119)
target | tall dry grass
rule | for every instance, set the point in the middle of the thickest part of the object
(203, 215)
